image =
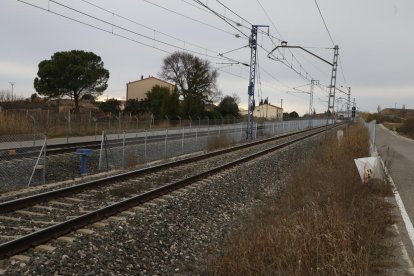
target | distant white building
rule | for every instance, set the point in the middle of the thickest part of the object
(266, 111)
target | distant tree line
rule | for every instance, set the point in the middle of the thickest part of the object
(81, 75)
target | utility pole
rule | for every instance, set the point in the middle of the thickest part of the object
(313, 83)
(12, 83)
(332, 87)
(334, 64)
(252, 79)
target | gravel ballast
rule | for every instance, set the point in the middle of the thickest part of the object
(177, 235)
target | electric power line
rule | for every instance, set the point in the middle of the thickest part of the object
(211, 13)
(220, 16)
(148, 28)
(116, 26)
(324, 23)
(188, 17)
(268, 17)
(342, 71)
(233, 12)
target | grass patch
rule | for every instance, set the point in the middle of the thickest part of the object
(326, 223)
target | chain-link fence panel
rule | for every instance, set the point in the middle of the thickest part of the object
(282, 127)
(131, 148)
(22, 161)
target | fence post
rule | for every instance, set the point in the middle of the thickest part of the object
(255, 134)
(44, 162)
(196, 136)
(241, 131)
(123, 152)
(119, 120)
(374, 134)
(70, 125)
(100, 152)
(145, 146)
(47, 120)
(165, 143)
(182, 141)
(37, 161)
(96, 126)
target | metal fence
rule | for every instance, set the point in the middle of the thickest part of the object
(372, 127)
(60, 124)
(278, 128)
(131, 148)
(22, 160)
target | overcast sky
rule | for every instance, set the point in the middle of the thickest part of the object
(375, 38)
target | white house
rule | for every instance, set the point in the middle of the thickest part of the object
(266, 111)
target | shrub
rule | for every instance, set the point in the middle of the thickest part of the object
(407, 127)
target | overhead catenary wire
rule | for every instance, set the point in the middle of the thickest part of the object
(221, 17)
(212, 13)
(116, 26)
(306, 75)
(233, 12)
(299, 70)
(92, 26)
(269, 18)
(342, 71)
(324, 22)
(293, 56)
(259, 81)
(148, 28)
(190, 18)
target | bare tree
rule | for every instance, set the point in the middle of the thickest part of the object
(5, 95)
(236, 98)
(192, 75)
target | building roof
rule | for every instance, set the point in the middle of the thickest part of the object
(151, 77)
(269, 105)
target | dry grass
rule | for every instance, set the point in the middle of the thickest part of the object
(11, 124)
(326, 223)
(218, 142)
(392, 126)
(407, 128)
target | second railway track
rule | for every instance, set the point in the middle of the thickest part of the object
(35, 219)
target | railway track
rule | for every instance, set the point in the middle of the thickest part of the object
(35, 219)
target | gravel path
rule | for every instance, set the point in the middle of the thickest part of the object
(174, 236)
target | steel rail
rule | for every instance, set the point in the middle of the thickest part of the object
(24, 202)
(24, 243)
